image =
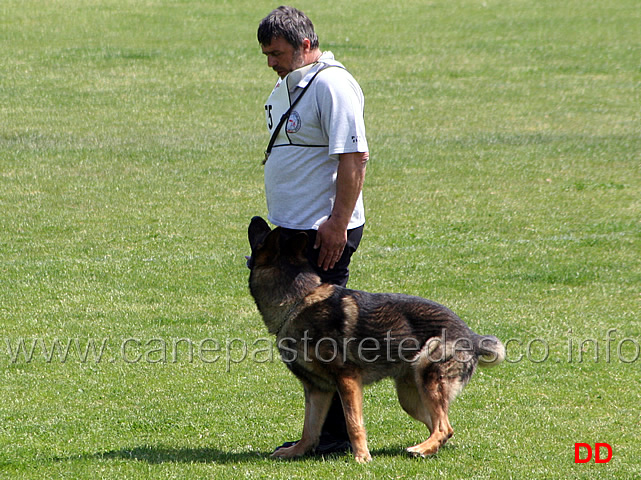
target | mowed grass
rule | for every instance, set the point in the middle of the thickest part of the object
(504, 182)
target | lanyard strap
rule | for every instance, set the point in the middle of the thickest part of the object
(286, 115)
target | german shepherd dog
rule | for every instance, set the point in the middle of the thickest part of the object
(337, 339)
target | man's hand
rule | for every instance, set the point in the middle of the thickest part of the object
(332, 234)
(331, 239)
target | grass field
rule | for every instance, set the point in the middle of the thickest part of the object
(505, 182)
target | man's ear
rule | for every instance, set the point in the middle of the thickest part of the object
(257, 231)
(306, 44)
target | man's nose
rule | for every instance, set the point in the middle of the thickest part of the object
(271, 61)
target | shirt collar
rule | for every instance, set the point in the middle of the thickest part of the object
(301, 77)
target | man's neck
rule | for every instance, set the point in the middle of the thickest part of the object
(313, 56)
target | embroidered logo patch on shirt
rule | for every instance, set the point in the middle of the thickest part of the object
(294, 122)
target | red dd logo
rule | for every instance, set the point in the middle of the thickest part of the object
(583, 453)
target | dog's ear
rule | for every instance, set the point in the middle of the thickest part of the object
(266, 251)
(257, 231)
(271, 245)
(296, 246)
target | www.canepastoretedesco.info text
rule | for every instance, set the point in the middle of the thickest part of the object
(612, 346)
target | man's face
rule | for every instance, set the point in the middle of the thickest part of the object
(282, 57)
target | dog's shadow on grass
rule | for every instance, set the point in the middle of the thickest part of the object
(162, 454)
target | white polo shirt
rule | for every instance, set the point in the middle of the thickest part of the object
(300, 175)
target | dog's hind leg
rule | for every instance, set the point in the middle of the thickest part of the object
(435, 392)
(350, 389)
(317, 403)
(411, 401)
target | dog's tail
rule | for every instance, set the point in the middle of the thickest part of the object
(487, 348)
(490, 350)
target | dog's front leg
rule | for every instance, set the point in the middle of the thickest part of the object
(350, 389)
(317, 403)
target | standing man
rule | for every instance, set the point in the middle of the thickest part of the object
(315, 171)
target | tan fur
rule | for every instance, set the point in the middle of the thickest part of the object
(350, 308)
(319, 294)
(350, 389)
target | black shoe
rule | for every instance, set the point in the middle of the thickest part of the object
(327, 445)
(285, 445)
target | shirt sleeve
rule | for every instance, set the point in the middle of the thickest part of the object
(341, 104)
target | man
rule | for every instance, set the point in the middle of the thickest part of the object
(315, 171)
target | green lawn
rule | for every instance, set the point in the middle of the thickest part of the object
(505, 182)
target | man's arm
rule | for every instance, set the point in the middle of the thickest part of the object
(332, 234)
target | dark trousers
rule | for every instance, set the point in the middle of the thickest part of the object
(335, 424)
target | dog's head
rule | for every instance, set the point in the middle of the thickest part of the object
(271, 248)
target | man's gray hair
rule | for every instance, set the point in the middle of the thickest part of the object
(288, 23)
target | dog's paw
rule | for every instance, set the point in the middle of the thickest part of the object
(414, 453)
(289, 452)
(363, 457)
(419, 451)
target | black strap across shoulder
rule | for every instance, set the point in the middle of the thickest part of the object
(286, 115)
